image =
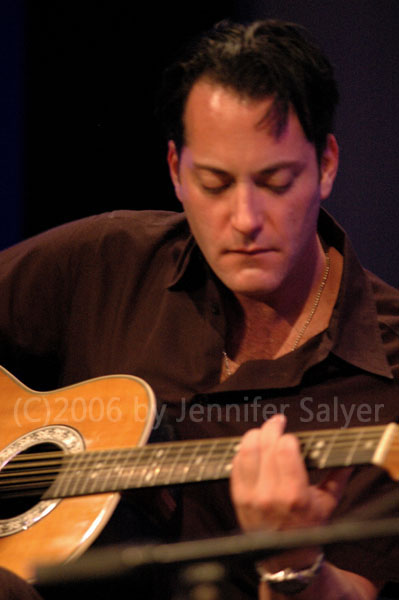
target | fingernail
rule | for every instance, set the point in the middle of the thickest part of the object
(279, 418)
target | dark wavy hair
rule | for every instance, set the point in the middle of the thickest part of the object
(263, 59)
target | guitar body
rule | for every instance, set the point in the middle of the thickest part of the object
(103, 413)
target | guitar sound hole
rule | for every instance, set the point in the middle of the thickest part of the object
(22, 485)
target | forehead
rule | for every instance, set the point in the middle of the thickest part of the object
(220, 123)
(215, 99)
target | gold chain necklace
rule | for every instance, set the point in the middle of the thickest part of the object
(315, 304)
(312, 312)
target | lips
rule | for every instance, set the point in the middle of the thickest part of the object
(250, 251)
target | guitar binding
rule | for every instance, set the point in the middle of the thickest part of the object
(60, 438)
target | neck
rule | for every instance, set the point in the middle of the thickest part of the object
(260, 328)
(299, 286)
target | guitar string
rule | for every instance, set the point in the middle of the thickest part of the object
(28, 488)
(146, 450)
(45, 458)
(141, 458)
(41, 483)
(304, 437)
(139, 461)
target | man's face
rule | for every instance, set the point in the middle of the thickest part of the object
(251, 199)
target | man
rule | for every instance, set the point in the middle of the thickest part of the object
(250, 176)
(256, 309)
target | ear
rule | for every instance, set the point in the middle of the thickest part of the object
(328, 166)
(174, 163)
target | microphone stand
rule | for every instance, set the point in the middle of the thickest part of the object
(134, 564)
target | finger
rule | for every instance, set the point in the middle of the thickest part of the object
(292, 474)
(253, 474)
(335, 482)
(246, 462)
(273, 428)
(269, 435)
(327, 493)
(255, 449)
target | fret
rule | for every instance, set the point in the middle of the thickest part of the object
(149, 467)
(173, 467)
(72, 474)
(340, 443)
(198, 460)
(55, 490)
(207, 469)
(351, 454)
(158, 468)
(183, 461)
(226, 461)
(203, 460)
(92, 479)
(315, 452)
(206, 458)
(190, 474)
(128, 473)
(109, 470)
(159, 455)
(122, 469)
(142, 469)
(149, 476)
(307, 446)
(324, 460)
(164, 475)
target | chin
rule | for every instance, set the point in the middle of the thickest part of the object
(258, 289)
(261, 278)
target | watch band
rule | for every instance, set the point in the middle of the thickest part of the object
(290, 581)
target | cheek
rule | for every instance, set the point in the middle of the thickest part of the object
(196, 214)
(287, 221)
(202, 212)
(298, 219)
(202, 225)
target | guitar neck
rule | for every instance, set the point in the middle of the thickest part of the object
(206, 460)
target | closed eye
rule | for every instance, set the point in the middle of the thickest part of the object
(280, 189)
(278, 182)
(215, 189)
(212, 181)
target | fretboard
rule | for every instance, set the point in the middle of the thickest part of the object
(202, 460)
(58, 475)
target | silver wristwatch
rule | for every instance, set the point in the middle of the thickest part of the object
(289, 581)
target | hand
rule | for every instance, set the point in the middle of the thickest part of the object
(270, 486)
(270, 489)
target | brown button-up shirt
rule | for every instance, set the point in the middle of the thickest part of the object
(130, 292)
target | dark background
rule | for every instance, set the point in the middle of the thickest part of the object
(78, 135)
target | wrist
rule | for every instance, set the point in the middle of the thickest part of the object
(298, 559)
(290, 580)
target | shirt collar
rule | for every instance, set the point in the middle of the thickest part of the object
(354, 330)
(353, 334)
(184, 254)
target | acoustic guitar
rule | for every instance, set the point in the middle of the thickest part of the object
(67, 453)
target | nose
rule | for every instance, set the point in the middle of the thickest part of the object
(246, 210)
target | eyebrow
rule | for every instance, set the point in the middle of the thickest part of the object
(201, 167)
(267, 170)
